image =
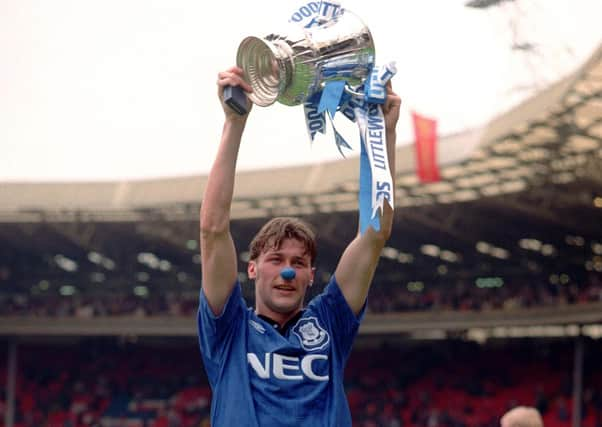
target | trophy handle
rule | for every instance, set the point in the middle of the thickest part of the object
(347, 89)
(352, 92)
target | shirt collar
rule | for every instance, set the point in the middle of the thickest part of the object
(282, 330)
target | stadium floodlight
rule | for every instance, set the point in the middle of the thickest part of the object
(430, 250)
(483, 247)
(389, 253)
(449, 256)
(99, 259)
(574, 240)
(530, 244)
(142, 276)
(67, 290)
(500, 253)
(548, 249)
(483, 4)
(415, 286)
(405, 258)
(164, 265)
(109, 264)
(141, 291)
(95, 257)
(492, 250)
(149, 259)
(489, 282)
(65, 263)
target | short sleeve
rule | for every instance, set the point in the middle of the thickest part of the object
(216, 332)
(343, 323)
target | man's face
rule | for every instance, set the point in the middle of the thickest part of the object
(276, 297)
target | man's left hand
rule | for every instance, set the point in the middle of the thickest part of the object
(391, 108)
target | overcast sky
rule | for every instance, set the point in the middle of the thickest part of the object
(125, 89)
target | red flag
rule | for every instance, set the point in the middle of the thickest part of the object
(425, 131)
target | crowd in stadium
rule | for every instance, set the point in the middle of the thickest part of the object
(383, 298)
(466, 296)
(443, 384)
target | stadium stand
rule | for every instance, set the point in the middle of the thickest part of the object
(519, 198)
(110, 382)
(384, 298)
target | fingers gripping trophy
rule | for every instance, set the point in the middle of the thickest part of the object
(325, 62)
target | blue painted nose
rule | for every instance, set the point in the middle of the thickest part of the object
(288, 273)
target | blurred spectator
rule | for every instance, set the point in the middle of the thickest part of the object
(522, 416)
(384, 297)
(444, 384)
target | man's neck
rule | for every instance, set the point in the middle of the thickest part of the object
(279, 321)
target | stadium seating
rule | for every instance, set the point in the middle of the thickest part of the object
(113, 383)
(384, 298)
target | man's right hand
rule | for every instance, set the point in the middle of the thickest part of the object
(233, 77)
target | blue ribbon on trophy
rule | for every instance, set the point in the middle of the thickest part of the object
(363, 108)
(327, 64)
(313, 13)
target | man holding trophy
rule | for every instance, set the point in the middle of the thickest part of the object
(280, 364)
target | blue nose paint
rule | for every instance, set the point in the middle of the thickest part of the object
(288, 273)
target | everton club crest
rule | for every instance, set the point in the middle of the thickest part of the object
(311, 334)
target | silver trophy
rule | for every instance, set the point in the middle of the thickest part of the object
(291, 68)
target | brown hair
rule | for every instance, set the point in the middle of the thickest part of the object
(278, 229)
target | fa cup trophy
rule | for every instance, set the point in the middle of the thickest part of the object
(326, 63)
(291, 68)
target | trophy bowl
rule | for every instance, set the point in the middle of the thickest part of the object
(291, 68)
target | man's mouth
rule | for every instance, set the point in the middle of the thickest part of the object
(288, 288)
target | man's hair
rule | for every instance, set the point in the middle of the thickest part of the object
(522, 416)
(275, 231)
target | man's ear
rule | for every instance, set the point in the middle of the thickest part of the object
(252, 270)
(313, 275)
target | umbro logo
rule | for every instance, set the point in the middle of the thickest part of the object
(258, 327)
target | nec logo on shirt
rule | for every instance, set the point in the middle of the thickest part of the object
(288, 368)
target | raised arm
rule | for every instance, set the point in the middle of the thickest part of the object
(218, 255)
(359, 260)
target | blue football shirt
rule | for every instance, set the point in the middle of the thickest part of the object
(261, 378)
